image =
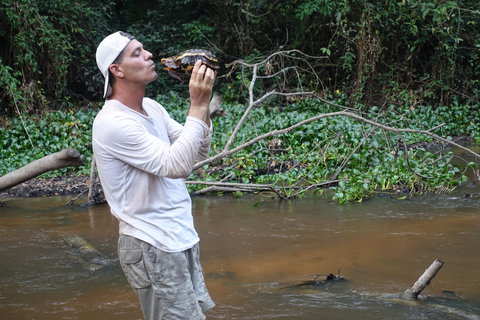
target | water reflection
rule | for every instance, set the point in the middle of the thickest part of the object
(252, 248)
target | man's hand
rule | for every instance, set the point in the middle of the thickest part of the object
(200, 86)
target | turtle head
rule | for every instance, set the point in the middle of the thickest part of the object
(169, 63)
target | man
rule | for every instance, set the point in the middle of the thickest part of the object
(142, 156)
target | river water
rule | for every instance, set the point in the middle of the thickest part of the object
(253, 250)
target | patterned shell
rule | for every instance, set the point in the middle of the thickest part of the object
(183, 63)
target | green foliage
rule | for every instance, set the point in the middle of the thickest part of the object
(399, 52)
(454, 120)
(49, 52)
(403, 54)
(196, 31)
(425, 48)
(311, 7)
(22, 142)
(11, 85)
(367, 162)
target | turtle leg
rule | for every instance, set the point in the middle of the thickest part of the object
(176, 75)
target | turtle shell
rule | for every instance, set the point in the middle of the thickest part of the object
(183, 62)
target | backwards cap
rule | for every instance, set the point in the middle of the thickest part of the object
(107, 51)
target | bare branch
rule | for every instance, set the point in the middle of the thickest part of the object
(277, 73)
(230, 184)
(276, 68)
(277, 53)
(252, 187)
(226, 153)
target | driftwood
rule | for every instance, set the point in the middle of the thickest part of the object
(424, 280)
(66, 158)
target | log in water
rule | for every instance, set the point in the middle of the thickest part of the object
(87, 252)
(423, 281)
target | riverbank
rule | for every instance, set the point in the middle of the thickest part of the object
(74, 185)
(42, 187)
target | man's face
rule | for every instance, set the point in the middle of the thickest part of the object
(137, 64)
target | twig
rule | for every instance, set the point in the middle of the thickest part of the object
(277, 53)
(23, 122)
(70, 202)
(407, 158)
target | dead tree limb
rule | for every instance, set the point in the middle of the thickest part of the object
(249, 187)
(226, 153)
(66, 158)
(424, 280)
(231, 187)
(265, 65)
(252, 102)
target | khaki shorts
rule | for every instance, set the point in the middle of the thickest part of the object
(169, 285)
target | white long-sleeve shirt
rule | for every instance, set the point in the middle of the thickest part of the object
(142, 162)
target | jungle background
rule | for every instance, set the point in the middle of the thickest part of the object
(407, 64)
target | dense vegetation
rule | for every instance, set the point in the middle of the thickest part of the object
(409, 63)
(366, 161)
(375, 51)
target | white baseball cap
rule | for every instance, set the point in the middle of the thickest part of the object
(107, 51)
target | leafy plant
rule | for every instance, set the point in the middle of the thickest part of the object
(36, 137)
(365, 161)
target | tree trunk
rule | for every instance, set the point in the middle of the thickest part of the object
(423, 281)
(66, 158)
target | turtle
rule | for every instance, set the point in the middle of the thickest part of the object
(183, 62)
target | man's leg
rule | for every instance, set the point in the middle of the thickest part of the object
(162, 280)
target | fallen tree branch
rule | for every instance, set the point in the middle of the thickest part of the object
(231, 187)
(66, 158)
(275, 69)
(226, 153)
(252, 187)
(232, 184)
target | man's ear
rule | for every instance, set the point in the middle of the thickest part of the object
(116, 71)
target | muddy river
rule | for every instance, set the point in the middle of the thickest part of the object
(254, 249)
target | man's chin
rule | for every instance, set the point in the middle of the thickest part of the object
(154, 77)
